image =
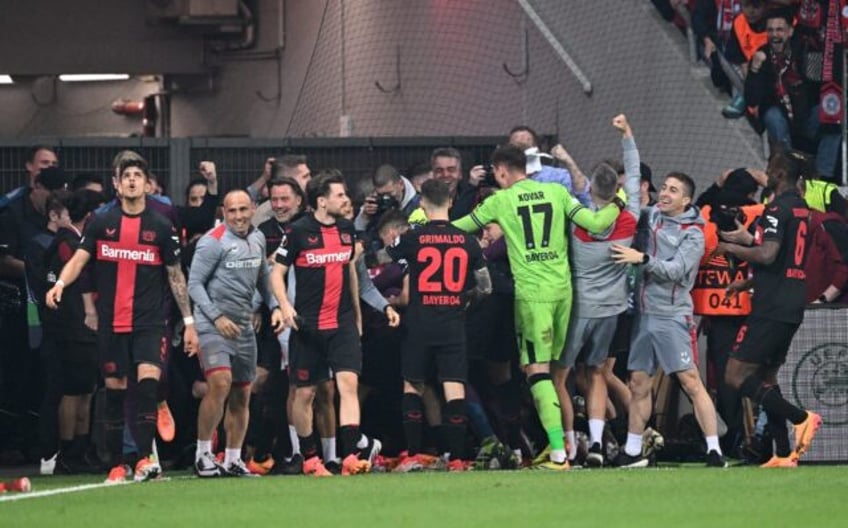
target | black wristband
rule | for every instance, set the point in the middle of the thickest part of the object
(645, 258)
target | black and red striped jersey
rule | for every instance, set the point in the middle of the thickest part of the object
(129, 254)
(320, 255)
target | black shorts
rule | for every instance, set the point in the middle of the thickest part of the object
(314, 355)
(763, 341)
(424, 359)
(490, 330)
(119, 352)
(381, 358)
(78, 361)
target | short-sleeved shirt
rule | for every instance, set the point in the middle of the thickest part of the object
(441, 260)
(320, 255)
(534, 218)
(129, 254)
(273, 232)
(779, 288)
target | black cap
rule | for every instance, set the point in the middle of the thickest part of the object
(741, 181)
(53, 178)
(645, 174)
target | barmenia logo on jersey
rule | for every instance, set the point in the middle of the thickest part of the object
(142, 256)
(328, 258)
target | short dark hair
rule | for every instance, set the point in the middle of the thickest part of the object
(445, 152)
(56, 201)
(291, 161)
(525, 128)
(686, 180)
(319, 186)
(781, 12)
(384, 175)
(419, 169)
(82, 202)
(511, 156)
(391, 218)
(134, 162)
(33, 150)
(290, 182)
(436, 192)
(84, 178)
(788, 165)
(604, 181)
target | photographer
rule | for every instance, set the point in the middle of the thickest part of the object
(391, 191)
(727, 205)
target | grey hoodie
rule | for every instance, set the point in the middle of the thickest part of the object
(675, 246)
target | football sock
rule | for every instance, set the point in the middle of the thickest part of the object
(571, 444)
(328, 448)
(113, 424)
(413, 422)
(145, 428)
(596, 431)
(770, 397)
(780, 434)
(454, 423)
(203, 447)
(547, 406)
(350, 436)
(633, 447)
(308, 446)
(231, 455)
(295, 440)
(712, 444)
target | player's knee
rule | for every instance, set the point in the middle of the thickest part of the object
(219, 383)
(639, 384)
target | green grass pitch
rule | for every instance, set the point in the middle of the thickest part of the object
(810, 496)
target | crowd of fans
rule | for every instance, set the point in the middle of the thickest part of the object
(781, 62)
(227, 388)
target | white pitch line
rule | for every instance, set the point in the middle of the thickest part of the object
(73, 489)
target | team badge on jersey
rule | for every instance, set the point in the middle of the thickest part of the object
(148, 236)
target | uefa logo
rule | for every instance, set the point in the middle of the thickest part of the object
(820, 382)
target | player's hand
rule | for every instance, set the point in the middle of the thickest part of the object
(620, 123)
(392, 316)
(268, 168)
(369, 208)
(735, 288)
(91, 321)
(626, 255)
(227, 328)
(207, 170)
(757, 61)
(287, 317)
(191, 346)
(256, 321)
(740, 235)
(561, 154)
(54, 296)
(476, 175)
(709, 47)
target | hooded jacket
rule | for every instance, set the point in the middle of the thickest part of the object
(675, 245)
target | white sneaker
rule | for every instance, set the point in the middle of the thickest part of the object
(48, 465)
(206, 466)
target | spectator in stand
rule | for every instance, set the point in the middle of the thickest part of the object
(791, 106)
(827, 258)
(88, 180)
(72, 344)
(749, 34)
(198, 215)
(419, 174)
(712, 22)
(294, 166)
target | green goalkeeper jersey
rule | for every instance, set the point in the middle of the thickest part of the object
(534, 218)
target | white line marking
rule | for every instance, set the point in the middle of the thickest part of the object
(73, 489)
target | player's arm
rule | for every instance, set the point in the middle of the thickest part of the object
(773, 224)
(354, 295)
(70, 272)
(630, 159)
(483, 214)
(177, 282)
(592, 221)
(673, 269)
(262, 284)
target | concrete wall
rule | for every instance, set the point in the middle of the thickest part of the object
(450, 55)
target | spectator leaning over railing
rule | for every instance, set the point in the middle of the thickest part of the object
(749, 34)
